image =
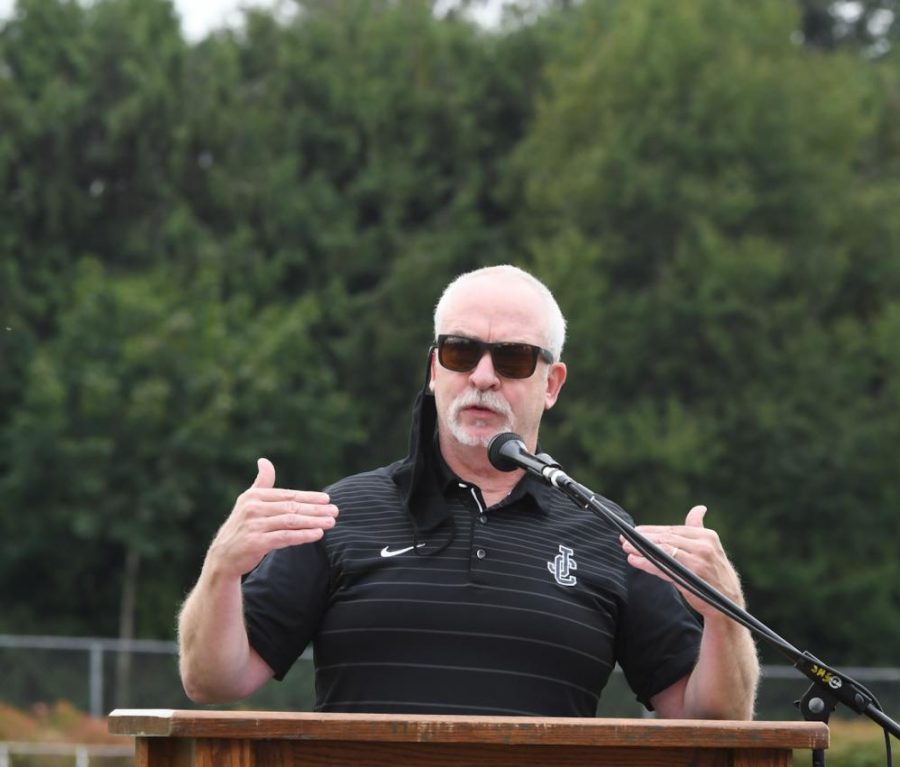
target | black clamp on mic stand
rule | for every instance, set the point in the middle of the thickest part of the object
(507, 452)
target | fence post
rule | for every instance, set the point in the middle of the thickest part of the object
(96, 681)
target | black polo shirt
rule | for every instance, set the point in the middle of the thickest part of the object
(518, 609)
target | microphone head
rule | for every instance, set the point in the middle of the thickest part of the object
(495, 451)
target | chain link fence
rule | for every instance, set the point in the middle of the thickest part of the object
(97, 675)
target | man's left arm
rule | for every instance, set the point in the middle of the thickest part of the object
(722, 684)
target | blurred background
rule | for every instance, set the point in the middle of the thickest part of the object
(222, 243)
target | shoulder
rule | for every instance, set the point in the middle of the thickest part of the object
(559, 504)
(374, 486)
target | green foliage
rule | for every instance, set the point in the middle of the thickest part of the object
(868, 25)
(699, 207)
(217, 251)
(187, 291)
(138, 417)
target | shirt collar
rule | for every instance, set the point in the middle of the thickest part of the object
(529, 489)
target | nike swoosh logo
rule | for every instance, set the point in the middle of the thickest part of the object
(386, 552)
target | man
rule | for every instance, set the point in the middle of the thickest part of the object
(447, 586)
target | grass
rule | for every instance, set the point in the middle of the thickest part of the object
(60, 722)
(854, 743)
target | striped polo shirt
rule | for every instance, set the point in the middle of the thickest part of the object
(522, 608)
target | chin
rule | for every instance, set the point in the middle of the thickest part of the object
(472, 440)
(480, 437)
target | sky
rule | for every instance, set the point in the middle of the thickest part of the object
(199, 17)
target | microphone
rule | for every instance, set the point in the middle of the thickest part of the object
(507, 452)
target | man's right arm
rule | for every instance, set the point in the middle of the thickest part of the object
(216, 661)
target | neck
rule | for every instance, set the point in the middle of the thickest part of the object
(471, 464)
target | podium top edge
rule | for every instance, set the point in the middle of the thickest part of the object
(473, 729)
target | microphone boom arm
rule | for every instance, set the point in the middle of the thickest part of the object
(829, 686)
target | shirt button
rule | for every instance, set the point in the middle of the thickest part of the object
(482, 518)
(481, 553)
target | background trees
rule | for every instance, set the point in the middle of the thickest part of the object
(210, 252)
(713, 210)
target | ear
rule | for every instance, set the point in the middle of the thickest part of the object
(432, 363)
(556, 377)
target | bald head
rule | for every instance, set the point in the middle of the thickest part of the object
(554, 324)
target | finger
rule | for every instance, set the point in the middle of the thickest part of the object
(631, 551)
(276, 508)
(626, 545)
(695, 516)
(292, 522)
(265, 476)
(274, 494)
(667, 546)
(640, 562)
(693, 519)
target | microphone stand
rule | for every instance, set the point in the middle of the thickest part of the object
(829, 686)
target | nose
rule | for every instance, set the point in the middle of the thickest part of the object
(483, 375)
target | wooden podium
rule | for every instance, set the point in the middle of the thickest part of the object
(168, 738)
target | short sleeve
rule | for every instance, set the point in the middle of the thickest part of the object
(283, 602)
(658, 638)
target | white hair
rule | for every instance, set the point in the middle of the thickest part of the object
(555, 326)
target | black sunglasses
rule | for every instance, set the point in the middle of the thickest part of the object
(510, 359)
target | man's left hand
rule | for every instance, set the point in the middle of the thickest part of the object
(696, 547)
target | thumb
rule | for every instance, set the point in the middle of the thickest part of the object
(694, 517)
(265, 476)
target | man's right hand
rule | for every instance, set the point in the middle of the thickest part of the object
(216, 661)
(265, 518)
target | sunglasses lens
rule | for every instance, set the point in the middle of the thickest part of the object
(510, 360)
(514, 360)
(459, 354)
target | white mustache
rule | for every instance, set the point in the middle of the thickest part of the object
(484, 399)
